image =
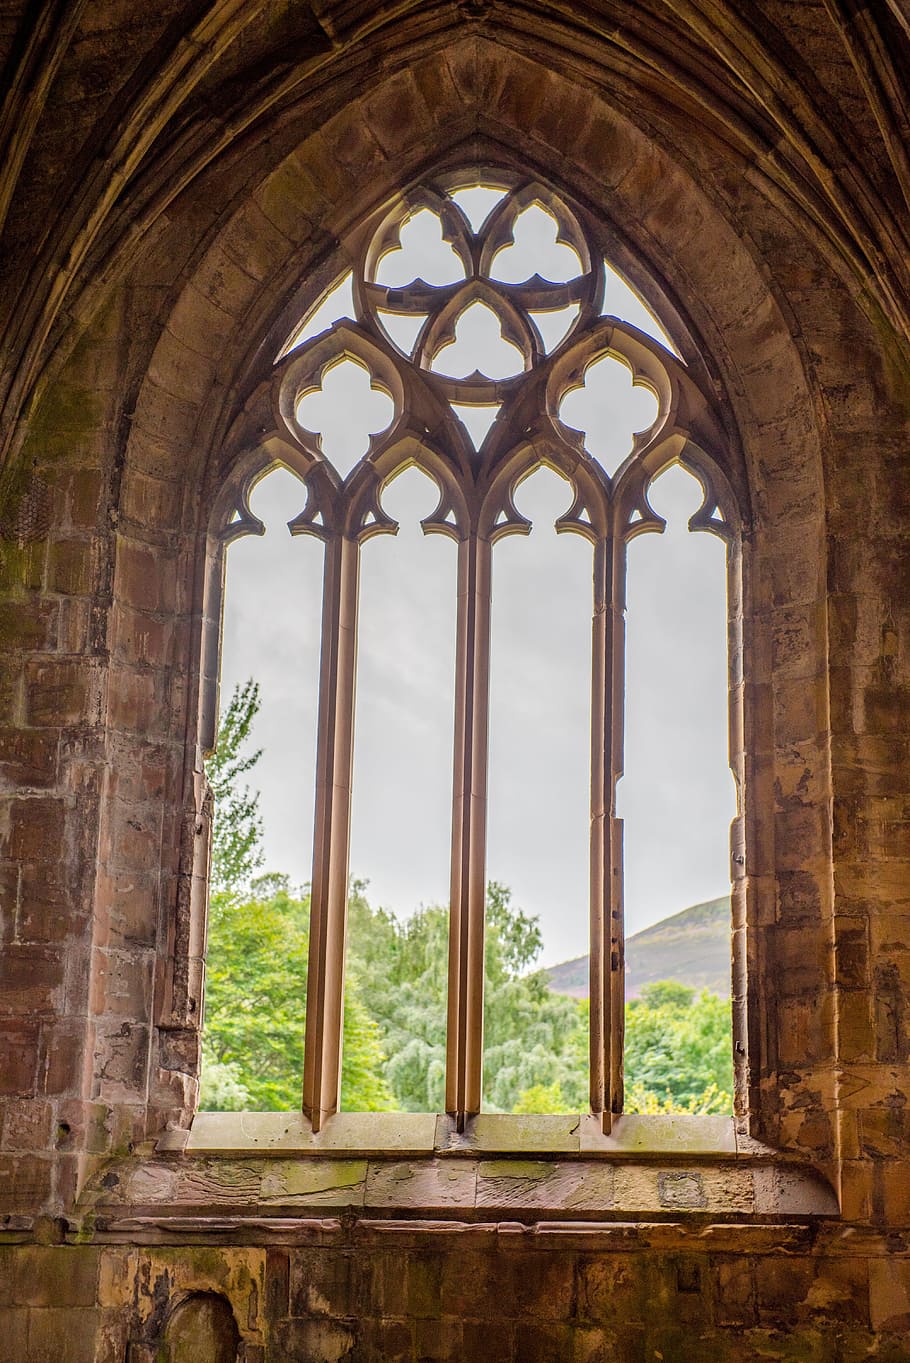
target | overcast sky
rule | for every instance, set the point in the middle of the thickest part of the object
(676, 797)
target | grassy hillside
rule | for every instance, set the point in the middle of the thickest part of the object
(692, 947)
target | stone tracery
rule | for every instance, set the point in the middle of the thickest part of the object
(476, 474)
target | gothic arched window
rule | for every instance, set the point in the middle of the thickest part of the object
(551, 354)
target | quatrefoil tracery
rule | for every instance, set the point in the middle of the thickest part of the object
(466, 429)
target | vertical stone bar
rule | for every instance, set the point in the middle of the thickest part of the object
(464, 1038)
(607, 957)
(331, 834)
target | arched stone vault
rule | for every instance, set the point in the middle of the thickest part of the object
(677, 70)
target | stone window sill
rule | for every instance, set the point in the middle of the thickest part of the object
(254, 1165)
(414, 1134)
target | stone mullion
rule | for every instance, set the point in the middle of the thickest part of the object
(607, 956)
(331, 834)
(464, 1039)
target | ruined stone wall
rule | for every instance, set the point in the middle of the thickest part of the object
(103, 549)
(396, 1292)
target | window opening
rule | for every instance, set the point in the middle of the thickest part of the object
(402, 331)
(555, 326)
(535, 1041)
(535, 249)
(422, 253)
(477, 202)
(255, 1002)
(479, 347)
(677, 800)
(402, 804)
(337, 303)
(478, 359)
(610, 409)
(621, 300)
(347, 409)
(477, 420)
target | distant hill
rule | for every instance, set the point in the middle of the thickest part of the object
(692, 947)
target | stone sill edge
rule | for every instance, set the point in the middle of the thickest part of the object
(742, 1235)
(393, 1135)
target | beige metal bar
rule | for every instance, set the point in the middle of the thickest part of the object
(331, 834)
(464, 1038)
(607, 958)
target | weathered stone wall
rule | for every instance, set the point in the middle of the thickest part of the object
(399, 1291)
(119, 449)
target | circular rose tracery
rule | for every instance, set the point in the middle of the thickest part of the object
(418, 296)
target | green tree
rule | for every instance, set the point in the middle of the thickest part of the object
(256, 970)
(237, 825)
(394, 1045)
(677, 1050)
(533, 1037)
(256, 1008)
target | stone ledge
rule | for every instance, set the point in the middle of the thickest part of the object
(393, 1134)
(463, 1189)
(824, 1238)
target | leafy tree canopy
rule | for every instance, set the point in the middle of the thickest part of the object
(535, 1041)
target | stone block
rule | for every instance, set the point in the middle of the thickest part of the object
(735, 1303)
(277, 1284)
(423, 1284)
(398, 117)
(62, 1336)
(31, 979)
(783, 1191)
(37, 829)
(14, 1339)
(61, 1058)
(28, 624)
(470, 1284)
(146, 578)
(542, 1286)
(26, 1124)
(322, 1182)
(891, 1191)
(437, 1341)
(889, 1295)
(64, 1276)
(528, 1183)
(612, 1288)
(782, 1287)
(84, 489)
(25, 1182)
(442, 1183)
(18, 1058)
(46, 914)
(323, 1283)
(121, 1057)
(511, 1134)
(71, 567)
(28, 759)
(136, 706)
(385, 1339)
(58, 693)
(253, 244)
(217, 1183)
(315, 1341)
(384, 1282)
(434, 80)
(543, 1341)
(122, 982)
